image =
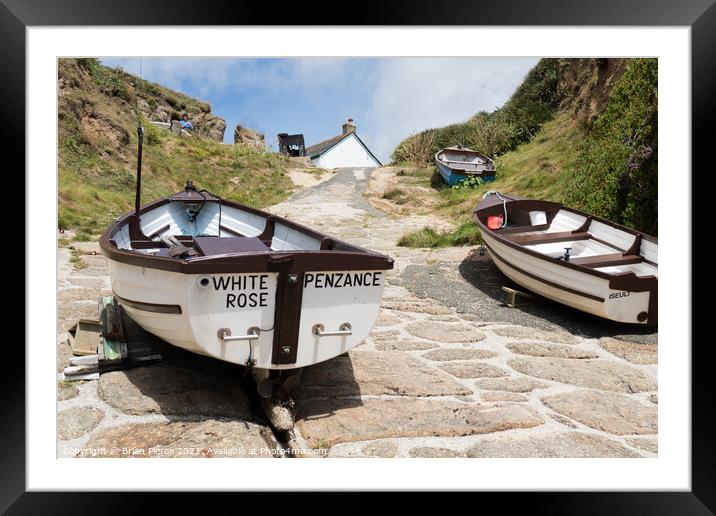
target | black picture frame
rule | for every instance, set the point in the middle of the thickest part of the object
(699, 15)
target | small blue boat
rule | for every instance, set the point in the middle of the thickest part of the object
(456, 164)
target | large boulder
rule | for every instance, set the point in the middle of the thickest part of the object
(250, 136)
(160, 115)
(205, 124)
(208, 126)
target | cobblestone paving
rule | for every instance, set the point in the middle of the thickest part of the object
(432, 380)
(189, 406)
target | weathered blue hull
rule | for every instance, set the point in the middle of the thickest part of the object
(452, 177)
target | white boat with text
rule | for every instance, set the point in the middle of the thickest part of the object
(239, 284)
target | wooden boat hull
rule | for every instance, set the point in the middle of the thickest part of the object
(572, 288)
(454, 177)
(178, 309)
(620, 284)
(277, 285)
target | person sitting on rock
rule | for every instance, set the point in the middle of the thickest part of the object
(186, 123)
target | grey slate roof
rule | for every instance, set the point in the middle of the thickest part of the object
(320, 148)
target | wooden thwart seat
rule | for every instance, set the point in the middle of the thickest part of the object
(212, 246)
(606, 260)
(549, 238)
(521, 229)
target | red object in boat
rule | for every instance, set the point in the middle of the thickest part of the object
(495, 221)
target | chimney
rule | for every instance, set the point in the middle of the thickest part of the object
(349, 127)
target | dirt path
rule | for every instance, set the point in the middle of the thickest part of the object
(447, 371)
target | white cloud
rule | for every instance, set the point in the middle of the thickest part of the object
(389, 98)
(413, 94)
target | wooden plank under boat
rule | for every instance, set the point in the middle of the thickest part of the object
(608, 270)
(235, 283)
(456, 164)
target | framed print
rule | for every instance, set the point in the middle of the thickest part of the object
(416, 251)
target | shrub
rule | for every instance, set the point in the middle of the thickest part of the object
(466, 234)
(172, 101)
(468, 183)
(393, 193)
(534, 101)
(491, 134)
(111, 81)
(615, 172)
(417, 148)
(153, 135)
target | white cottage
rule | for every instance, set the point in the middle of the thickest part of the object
(344, 150)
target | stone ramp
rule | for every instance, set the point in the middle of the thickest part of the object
(188, 406)
(429, 383)
(434, 379)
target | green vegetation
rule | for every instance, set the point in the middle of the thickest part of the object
(396, 195)
(115, 82)
(97, 142)
(469, 182)
(110, 81)
(615, 172)
(76, 258)
(65, 384)
(466, 234)
(94, 190)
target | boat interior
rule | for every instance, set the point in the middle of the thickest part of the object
(465, 159)
(582, 240)
(462, 156)
(186, 229)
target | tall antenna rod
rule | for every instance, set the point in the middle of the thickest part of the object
(140, 142)
(140, 138)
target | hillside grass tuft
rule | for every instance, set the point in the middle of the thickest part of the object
(97, 149)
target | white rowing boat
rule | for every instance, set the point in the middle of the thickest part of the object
(456, 164)
(235, 283)
(571, 257)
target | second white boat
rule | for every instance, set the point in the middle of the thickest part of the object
(571, 257)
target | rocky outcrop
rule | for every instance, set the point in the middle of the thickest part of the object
(205, 124)
(114, 94)
(209, 126)
(584, 85)
(249, 136)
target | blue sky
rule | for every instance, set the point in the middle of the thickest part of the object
(388, 98)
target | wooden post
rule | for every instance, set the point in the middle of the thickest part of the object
(515, 298)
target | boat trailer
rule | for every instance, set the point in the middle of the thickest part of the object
(115, 342)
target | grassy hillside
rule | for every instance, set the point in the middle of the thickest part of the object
(614, 172)
(588, 139)
(99, 109)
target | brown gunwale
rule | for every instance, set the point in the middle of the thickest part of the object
(458, 172)
(557, 206)
(349, 257)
